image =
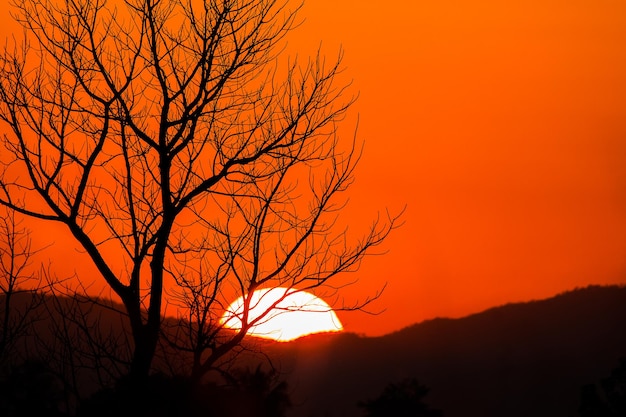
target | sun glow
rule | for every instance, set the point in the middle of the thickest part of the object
(299, 313)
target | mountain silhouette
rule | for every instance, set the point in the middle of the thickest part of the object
(525, 359)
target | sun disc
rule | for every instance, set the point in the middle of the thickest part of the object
(299, 313)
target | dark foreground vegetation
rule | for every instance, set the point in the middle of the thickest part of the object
(557, 357)
(32, 389)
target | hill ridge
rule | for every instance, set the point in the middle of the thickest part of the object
(514, 360)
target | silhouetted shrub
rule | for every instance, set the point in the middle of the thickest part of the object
(259, 393)
(610, 401)
(404, 399)
(31, 389)
(248, 394)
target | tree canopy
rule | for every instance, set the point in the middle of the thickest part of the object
(187, 160)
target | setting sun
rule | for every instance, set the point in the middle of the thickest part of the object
(297, 314)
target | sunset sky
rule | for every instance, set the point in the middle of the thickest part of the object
(501, 126)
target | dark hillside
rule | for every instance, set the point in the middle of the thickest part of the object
(516, 360)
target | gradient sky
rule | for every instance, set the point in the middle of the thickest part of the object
(501, 126)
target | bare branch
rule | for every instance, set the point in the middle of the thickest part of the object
(186, 157)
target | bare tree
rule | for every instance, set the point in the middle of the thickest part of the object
(19, 285)
(181, 153)
(83, 342)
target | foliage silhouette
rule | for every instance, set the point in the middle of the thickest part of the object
(249, 394)
(186, 159)
(403, 399)
(31, 389)
(610, 401)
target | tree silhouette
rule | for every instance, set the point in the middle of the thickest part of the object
(182, 155)
(404, 399)
(20, 287)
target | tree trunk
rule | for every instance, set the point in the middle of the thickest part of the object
(146, 336)
(145, 348)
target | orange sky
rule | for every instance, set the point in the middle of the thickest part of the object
(502, 128)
